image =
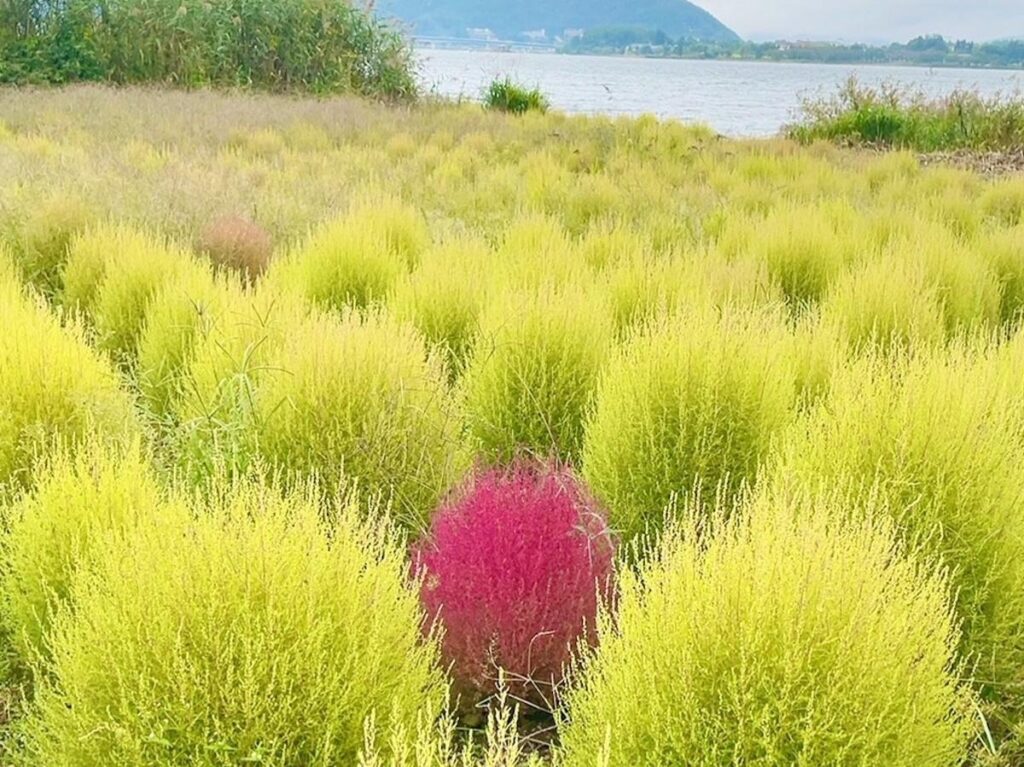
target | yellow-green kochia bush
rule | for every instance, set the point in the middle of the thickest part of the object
(78, 501)
(260, 631)
(968, 288)
(359, 399)
(40, 233)
(53, 388)
(793, 634)
(535, 251)
(111, 276)
(1004, 252)
(214, 413)
(798, 244)
(533, 372)
(691, 404)
(641, 289)
(355, 260)
(940, 446)
(180, 313)
(443, 298)
(887, 304)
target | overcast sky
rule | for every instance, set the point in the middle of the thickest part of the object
(870, 20)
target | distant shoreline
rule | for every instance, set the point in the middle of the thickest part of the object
(530, 49)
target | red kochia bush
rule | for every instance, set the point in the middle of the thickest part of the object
(514, 566)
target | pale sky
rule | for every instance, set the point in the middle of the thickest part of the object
(870, 20)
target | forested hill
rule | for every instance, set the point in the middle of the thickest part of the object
(556, 19)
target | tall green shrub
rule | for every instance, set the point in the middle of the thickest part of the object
(504, 95)
(692, 404)
(291, 45)
(792, 636)
(258, 632)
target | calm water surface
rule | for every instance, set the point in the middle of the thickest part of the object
(735, 98)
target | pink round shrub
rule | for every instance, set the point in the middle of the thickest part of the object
(514, 566)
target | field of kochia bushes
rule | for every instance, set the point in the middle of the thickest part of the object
(336, 434)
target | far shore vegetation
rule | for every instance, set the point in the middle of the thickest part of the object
(896, 117)
(925, 51)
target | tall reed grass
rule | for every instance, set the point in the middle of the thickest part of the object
(296, 45)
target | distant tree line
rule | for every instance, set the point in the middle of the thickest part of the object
(929, 50)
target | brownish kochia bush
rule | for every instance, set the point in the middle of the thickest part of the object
(236, 243)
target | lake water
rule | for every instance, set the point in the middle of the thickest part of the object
(737, 98)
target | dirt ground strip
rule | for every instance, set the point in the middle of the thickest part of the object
(986, 163)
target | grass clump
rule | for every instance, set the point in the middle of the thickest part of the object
(689, 405)
(940, 448)
(60, 527)
(533, 374)
(257, 632)
(214, 416)
(183, 311)
(54, 389)
(790, 636)
(504, 95)
(360, 400)
(893, 116)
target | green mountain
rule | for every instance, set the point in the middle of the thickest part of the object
(513, 19)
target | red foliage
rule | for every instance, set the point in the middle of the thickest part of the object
(513, 566)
